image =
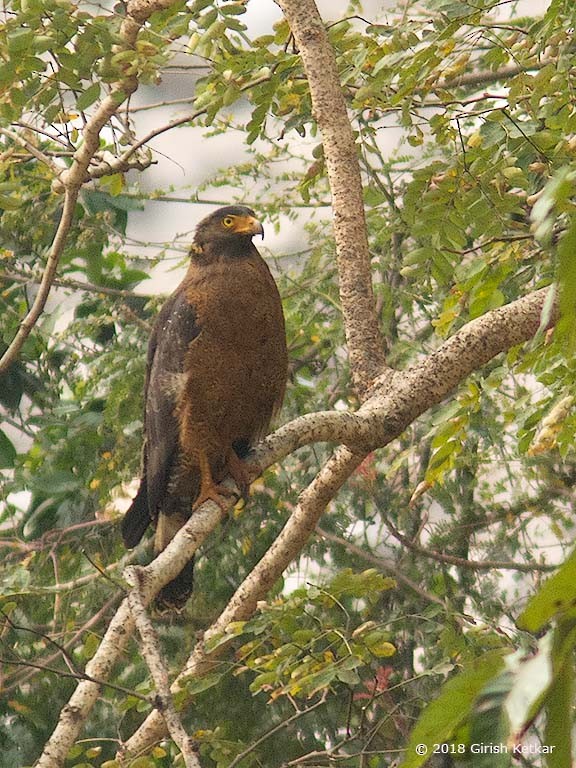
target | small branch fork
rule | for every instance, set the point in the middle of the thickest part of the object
(150, 648)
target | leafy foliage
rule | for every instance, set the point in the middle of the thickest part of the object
(472, 209)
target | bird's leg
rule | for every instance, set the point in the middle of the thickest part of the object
(209, 490)
(241, 472)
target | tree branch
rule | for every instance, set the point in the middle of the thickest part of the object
(71, 179)
(383, 563)
(27, 664)
(391, 407)
(70, 198)
(387, 415)
(484, 77)
(364, 342)
(176, 123)
(397, 402)
(30, 148)
(65, 282)
(18, 680)
(298, 715)
(162, 570)
(254, 588)
(463, 562)
(398, 399)
(150, 648)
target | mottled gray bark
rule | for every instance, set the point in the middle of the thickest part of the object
(394, 404)
(363, 338)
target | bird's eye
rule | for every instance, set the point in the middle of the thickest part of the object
(228, 221)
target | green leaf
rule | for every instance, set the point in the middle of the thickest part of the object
(10, 202)
(7, 451)
(567, 282)
(379, 644)
(88, 97)
(198, 684)
(560, 702)
(556, 595)
(90, 646)
(348, 676)
(143, 762)
(489, 722)
(20, 40)
(233, 9)
(263, 680)
(442, 717)
(559, 189)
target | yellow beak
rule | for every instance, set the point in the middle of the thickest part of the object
(248, 225)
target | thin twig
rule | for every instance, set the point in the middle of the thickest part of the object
(10, 355)
(279, 727)
(19, 679)
(75, 676)
(64, 282)
(462, 562)
(29, 147)
(382, 563)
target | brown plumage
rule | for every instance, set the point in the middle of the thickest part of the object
(216, 373)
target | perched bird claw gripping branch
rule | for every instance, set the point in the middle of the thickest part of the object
(216, 373)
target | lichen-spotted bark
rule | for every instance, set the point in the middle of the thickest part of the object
(390, 409)
(364, 341)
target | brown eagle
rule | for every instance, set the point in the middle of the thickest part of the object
(216, 374)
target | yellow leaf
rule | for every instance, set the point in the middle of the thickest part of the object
(383, 650)
(545, 439)
(475, 140)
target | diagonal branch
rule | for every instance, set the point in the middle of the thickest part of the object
(364, 342)
(255, 587)
(464, 562)
(164, 568)
(397, 400)
(379, 421)
(72, 179)
(386, 417)
(383, 563)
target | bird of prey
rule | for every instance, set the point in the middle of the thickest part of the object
(216, 373)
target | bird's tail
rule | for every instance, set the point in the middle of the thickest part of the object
(134, 524)
(137, 518)
(174, 595)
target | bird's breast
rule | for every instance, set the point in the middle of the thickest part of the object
(236, 368)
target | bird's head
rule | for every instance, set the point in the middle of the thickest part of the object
(232, 224)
